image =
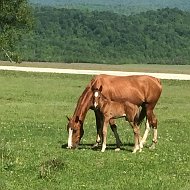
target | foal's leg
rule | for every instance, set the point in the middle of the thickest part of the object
(104, 131)
(114, 129)
(136, 136)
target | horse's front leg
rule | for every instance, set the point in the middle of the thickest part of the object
(99, 126)
(104, 133)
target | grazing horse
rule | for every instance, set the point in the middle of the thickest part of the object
(141, 90)
(113, 110)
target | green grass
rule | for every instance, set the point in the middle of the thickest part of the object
(33, 107)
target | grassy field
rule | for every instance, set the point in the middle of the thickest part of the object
(33, 129)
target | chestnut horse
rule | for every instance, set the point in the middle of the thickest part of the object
(113, 110)
(141, 90)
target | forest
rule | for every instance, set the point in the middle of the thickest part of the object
(73, 35)
(118, 6)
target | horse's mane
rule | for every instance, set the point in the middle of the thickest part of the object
(85, 100)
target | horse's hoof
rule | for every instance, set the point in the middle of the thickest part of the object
(117, 149)
(95, 145)
(141, 144)
(120, 143)
(136, 148)
(152, 147)
(103, 149)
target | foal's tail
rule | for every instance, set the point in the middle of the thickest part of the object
(142, 114)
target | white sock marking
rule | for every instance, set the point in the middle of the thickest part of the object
(103, 147)
(145, 133)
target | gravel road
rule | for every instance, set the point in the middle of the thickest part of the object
(96, 72)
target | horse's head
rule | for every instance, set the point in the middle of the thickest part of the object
(75, 130)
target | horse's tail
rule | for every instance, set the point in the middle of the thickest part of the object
(159, 81)
(142, 114)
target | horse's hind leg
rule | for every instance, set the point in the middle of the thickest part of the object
(153, 122)
(155, 132)
(155, 138)
(147, 129)
(114, 129)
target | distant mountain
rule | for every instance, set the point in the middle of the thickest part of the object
(119, 6)
(71, 35)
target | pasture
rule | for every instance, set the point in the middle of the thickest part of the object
(33, 109)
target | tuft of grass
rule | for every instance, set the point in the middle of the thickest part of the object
(49, 167)
(8, 160)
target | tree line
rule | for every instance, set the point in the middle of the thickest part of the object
(71, 35)
(119, 6)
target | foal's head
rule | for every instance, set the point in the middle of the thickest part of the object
(97, 97)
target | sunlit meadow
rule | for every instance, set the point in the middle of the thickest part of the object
(33, 110)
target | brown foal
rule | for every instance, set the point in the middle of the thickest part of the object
(113, 110)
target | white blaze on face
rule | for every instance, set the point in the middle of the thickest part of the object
(70, 138)
(95, 95)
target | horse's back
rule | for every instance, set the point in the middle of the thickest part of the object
(117, 81)
(134, 88)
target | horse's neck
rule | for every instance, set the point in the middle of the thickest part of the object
(83, 104)
(81, 111)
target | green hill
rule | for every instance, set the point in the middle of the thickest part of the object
(68, 35)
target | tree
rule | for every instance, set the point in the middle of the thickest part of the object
(15, 19)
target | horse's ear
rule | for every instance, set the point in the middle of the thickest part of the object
(92, 88)
(100, 89)
(76, 119)
(68, 118)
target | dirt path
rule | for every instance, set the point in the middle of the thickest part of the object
(96, 72)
